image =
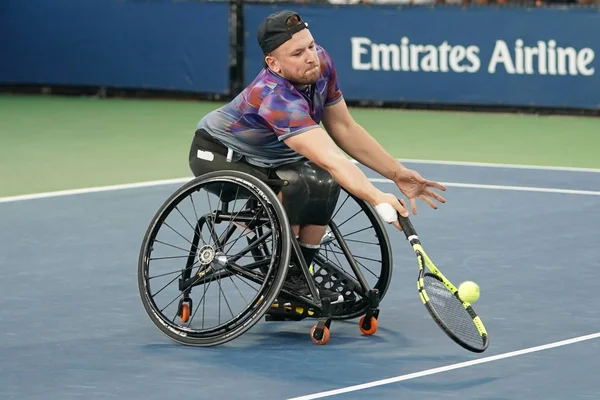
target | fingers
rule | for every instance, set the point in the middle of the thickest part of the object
(436, 185)
(436, 196)
(422, 189)
(401, 208)
(428, 201)
(426, 198)
(413, 205)
(396, 223)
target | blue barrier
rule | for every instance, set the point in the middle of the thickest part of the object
(440, 55)
(159, 44)
(451, 55)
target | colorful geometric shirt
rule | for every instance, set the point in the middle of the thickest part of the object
(269, 110)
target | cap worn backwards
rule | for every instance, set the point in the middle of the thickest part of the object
(273, 30)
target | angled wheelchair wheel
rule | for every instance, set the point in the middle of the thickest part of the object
(201, 279)
(356, 232)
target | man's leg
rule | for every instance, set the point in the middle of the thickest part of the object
(309, 238)
(310, 241)
(309, 198)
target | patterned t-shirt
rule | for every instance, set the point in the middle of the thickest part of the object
(269, 110)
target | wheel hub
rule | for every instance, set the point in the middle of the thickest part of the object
(206, 255)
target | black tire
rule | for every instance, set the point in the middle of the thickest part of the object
(380, 278)
(276, 220)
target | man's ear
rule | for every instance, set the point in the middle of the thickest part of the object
(272, 63)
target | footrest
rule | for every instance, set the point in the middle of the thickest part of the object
(284, 310)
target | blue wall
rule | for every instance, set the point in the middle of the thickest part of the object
(450, 55)
(158, 44)
(466, 55)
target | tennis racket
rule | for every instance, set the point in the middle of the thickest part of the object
(456, 317)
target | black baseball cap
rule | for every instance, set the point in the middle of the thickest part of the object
(273, 31)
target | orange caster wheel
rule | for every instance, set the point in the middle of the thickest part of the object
(368, 330)
(184, 313)
(320, 341)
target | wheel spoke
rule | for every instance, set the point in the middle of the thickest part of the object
(236, 279)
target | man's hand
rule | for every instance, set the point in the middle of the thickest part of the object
(414, 187)
(387, 206)
(357, 142)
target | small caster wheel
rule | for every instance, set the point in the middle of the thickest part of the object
(370, 329)
(324, 336)
(184, 312)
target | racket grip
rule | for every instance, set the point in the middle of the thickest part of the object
(407, 226)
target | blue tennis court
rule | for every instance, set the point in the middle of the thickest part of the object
(72, 324)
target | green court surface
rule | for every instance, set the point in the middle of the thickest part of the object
(57, 143)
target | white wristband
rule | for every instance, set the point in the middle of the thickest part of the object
(387, 212)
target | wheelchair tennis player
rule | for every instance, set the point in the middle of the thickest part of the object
(271, 130)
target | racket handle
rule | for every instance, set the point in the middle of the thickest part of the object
(407, 226)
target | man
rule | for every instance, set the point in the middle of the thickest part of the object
(272, 129)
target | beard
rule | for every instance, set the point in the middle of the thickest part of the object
(307, 79)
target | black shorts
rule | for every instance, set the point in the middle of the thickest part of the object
(309, 198)
(209, 155)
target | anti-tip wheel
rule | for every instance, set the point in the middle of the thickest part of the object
(372, 329)
(184, 313)
(321, 341)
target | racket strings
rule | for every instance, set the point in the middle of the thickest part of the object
(451, 311)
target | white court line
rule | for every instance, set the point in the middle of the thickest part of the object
(495, 165)
(448, 368)
(502, 187)
(72, 192)
(498, 165)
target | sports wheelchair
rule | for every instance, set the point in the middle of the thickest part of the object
(237, 252)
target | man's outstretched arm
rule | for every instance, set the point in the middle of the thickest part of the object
(317, 146)
(360, 145)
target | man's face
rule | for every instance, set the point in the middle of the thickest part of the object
(296, 60)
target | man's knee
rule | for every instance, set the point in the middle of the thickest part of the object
(311, 195)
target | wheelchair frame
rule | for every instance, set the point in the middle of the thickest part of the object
(276, 302)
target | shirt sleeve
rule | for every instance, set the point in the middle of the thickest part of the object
(334, 93)
(287, 113)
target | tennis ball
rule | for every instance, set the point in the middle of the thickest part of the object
(468, 291)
